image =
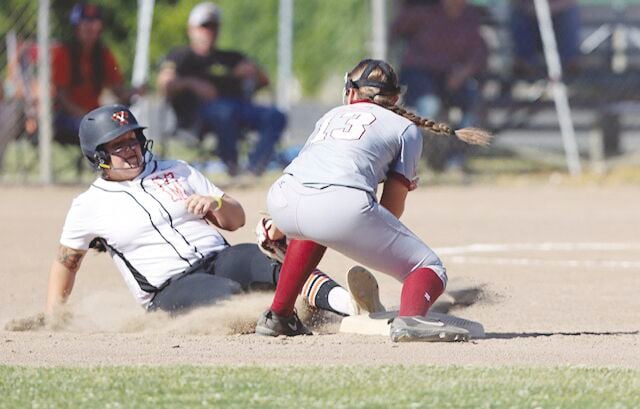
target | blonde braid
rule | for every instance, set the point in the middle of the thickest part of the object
(428, 124)
(473, 136)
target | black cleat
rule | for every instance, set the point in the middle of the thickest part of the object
(272, 325)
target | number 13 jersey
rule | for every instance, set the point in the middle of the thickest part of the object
(359, 145)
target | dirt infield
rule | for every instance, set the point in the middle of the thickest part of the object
(558, 266)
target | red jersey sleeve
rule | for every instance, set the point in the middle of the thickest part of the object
(61, 72)
(112, 73)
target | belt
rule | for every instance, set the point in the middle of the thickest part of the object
(202, 265)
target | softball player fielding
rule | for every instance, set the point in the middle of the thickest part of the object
(327, 198)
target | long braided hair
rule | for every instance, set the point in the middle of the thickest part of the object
(375, 80)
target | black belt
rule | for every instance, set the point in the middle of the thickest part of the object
(202, 265)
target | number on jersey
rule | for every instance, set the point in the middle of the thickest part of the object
(349, 126)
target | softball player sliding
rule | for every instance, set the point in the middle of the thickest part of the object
(154, 218)
(327, 198)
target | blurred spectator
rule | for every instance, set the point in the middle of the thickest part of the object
(82, 68)
(213, 89)
(6, 124)
(529, 61)
(18, 97)
(444, 54)
(21, 82)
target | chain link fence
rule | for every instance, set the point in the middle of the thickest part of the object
(25, 156)
(19, 92)
(605, 106)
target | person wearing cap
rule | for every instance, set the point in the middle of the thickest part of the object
(213, 89)
(159, 221)
(81, 69)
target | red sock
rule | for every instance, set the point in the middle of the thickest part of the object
(301, 258)
(420, 290)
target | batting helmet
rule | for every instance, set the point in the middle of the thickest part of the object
(105, 124)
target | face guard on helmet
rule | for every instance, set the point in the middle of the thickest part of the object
(389, 87)
(103, 125)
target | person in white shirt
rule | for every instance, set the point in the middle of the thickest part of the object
(157, 219)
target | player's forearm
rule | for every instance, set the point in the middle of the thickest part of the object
(230, 216)
(394, 195)
(62, 276)
(61, 281)
(395, 207)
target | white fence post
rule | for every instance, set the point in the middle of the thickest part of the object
(285, 54)
(378, 29)
(45, 128)
(141, 60)
(558, 87)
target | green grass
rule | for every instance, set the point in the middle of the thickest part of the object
(322, 387)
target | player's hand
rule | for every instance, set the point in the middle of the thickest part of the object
(413, 185)
(200, 205)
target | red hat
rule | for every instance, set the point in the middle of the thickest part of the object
(84, 11)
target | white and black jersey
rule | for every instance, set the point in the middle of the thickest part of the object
(144, 224)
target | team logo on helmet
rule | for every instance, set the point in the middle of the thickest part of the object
(121, 117)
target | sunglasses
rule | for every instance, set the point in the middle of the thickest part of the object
(210, 26)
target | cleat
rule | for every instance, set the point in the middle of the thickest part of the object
(272, 325)
(274, 249)
(364, 290)
(421, 329)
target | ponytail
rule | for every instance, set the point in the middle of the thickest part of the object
(377, 82)
(472, 136)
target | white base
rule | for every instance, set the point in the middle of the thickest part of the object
(377, 324)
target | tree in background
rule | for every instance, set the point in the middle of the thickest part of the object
(329, 35)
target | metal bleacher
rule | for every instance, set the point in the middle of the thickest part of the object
(602, 93)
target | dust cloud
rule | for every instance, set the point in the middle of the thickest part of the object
(96, 313)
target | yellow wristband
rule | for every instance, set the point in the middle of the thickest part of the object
(218, 200)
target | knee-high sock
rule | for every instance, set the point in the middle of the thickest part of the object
(301, 259)
(322, 292)
(420, 290)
